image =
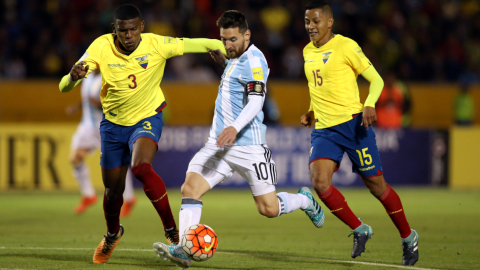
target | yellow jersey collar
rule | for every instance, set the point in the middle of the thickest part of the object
(121, 50)
(325, 43)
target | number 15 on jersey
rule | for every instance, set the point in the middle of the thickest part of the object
(317, 78)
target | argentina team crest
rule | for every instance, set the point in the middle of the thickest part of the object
(142, 61)
(325, 57)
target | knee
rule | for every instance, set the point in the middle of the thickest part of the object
(376, 185)
(139, 162)
(268, 211)
(76, 160)
(142, 170)
(189, 190)
(320, 181)
(113, 194)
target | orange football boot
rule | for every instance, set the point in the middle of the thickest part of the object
(127, 207)
(105, 248)
(172, 236)
(85, 203)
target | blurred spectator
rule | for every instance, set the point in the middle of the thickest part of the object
(407, 104)
(292, 61)
(393, 106)
(15, 69)
(275, 16)
(420, 40)
(464, 106)
(189, 68)
(199, 73)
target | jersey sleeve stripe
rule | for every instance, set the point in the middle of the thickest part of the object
(256, 68)
(253, 60)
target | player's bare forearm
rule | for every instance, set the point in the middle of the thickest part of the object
(307, 119)
(369, 116)
(218, 57)
(227, 137)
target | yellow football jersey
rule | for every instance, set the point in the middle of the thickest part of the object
(131, 83)
(332, 72)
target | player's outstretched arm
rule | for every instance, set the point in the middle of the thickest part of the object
(66, 85)
(203, 45)
(376, 87)
(78, 72)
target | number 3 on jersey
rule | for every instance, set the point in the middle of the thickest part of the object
(147, 125)
(134, 81)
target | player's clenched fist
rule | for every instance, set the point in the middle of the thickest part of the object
(79, 71)
(307, 119)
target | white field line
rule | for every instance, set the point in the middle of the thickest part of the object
(231, 253)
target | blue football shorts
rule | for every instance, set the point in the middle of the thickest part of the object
(359, 143)
(117, 141)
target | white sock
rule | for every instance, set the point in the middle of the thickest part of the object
(289, 202)
(128, 193)
(190, 213)
(82, 174)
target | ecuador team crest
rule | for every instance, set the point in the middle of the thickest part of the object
(142, 61)
(325, 57)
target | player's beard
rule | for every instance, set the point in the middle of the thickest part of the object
(232, 54)
(237, 52)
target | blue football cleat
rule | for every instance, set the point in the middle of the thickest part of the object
(313, 211)
(410, 249)
(172, 253)
(360, 238)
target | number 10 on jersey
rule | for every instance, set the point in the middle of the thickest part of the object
(266, 171)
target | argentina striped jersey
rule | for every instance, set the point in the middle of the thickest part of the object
(91, 114)
(232, 98)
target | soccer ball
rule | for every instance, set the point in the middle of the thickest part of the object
(199, 242)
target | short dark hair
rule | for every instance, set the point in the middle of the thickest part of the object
(127, 12)
(232, 19)
(321, 4)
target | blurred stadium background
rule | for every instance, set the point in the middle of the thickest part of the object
(427, 50)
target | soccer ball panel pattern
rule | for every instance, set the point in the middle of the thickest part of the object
(199, 242)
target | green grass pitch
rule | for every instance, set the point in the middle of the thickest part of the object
(38, 230)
